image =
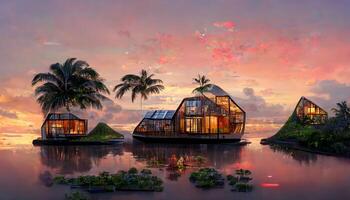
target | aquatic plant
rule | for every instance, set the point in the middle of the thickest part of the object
(207, 178)
(240, 180)
(200, 160)
(75, 196)
(243, 187)
(133, 170)
(106, 182)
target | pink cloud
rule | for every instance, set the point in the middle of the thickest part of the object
(223, 53)
(228, 25)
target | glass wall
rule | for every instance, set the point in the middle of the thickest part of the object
(65, 127)
(193, 107)
(199, 115)
(310, 111)
(151, 126)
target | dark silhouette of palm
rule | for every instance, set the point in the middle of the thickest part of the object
(342, 111)
(203, 82)
(143, 85)
(70, 84)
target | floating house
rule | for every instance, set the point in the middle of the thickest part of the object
(62, 125)
(310, 113)
(210, 117)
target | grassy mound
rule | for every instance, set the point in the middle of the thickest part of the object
(102, 132)
(294, 129)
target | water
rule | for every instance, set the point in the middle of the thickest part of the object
(25, 170)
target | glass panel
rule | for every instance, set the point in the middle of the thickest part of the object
(206, 125)
(213, 124)
(193, 107)
(223, 102)
(223, 124)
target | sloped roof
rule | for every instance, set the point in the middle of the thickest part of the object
(216, 91)
(304, 99)
(53, 116)
(160, 114)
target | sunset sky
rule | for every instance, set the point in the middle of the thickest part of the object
(265, 53)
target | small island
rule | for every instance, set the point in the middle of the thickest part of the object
(310, 129)
(102, 134)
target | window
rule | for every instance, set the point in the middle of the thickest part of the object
(160, 114)
(193, 107)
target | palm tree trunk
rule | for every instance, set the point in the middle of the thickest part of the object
(141, 107)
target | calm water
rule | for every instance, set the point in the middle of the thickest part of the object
(24, 170)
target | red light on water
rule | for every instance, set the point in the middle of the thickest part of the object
(270, 185)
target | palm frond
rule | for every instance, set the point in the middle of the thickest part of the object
(72, 84)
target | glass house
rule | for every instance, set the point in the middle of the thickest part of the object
(58, 125)
(308, 109)
(213, 115)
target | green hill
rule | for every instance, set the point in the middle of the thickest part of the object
(294, 129)
(102, 132)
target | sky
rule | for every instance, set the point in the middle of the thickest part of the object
(265, 53)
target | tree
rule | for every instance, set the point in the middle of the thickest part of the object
(142, 84)
(73, 83)
(342, 110)
(203, 83)
(342, 113)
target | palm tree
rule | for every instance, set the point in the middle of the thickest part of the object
(342, 111)
(203, 83)
(143, 85)
(70, 84)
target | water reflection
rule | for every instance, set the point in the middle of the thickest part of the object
(175, 159)
(160, 154)
(71, 159)
(27, 173)
(46, 178)
(300, 156)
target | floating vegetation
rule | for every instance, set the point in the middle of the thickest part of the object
(131, 180)
(240, 181)
(207, 178)
(75, 196)
(155, 163)
(200, 160)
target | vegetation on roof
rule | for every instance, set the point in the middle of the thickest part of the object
(332, 137)
(102, 132)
